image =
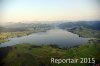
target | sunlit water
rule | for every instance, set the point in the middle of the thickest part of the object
(59, 37)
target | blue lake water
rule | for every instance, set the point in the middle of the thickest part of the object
(59, 37)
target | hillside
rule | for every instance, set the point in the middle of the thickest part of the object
(87, 24)
(85, 32)
(31, 55)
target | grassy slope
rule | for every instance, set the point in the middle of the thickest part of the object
(85, 32)
(1, 41)
(30, 55)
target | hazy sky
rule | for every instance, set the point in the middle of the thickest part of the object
(49, 10)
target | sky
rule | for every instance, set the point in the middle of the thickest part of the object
(48, 10)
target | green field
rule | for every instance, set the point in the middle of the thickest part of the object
(31, 55)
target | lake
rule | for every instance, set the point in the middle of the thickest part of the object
(60, 37)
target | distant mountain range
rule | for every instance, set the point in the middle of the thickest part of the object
(23, 27)
(63, 25)
(87, 24)
(26, 25)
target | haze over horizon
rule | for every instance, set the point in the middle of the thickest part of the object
(49, 10)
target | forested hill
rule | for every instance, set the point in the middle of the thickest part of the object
(87, 24)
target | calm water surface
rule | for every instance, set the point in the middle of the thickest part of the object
(60, 37)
